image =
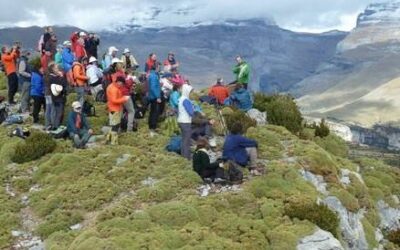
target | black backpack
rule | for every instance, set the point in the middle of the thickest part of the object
(88, 109)
(101, 96)
(234, 173)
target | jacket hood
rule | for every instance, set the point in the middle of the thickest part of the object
(186, 89)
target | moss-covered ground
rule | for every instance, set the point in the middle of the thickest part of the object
(138, 196)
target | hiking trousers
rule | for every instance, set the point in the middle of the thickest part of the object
(38, 102)
(81, 138)
(131, 114)
(49, 110)
(25, 96)
(252, 153)
(57, 114)
(12, 86)
(154, 114)
(186, 132)
(80, 91)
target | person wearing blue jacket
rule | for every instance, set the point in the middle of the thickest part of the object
(78, 126)
(154, 98)
(67, 57)
(241, 98)
(240, 149)
(37, 92)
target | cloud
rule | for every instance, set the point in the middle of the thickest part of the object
(300, 15)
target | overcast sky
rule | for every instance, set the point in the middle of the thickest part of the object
(298, 15)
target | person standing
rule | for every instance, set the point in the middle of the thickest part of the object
(115, 101)
(242, 72)
(37, 92)
(112, 53)
(68, 59)
(58, 89)
(24, 73)
(91, 45)
(154, 99)
(170, 63)
(151, 61)
(128, 60)
(78, 127)
(80, 78)
(58, 56)
(95, 75)
(9, 58)
(80, 46)
(185, 114)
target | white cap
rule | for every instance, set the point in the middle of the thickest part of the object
(116, 60)
(56, 89)
(82, 33)
(92, 59)
(112, 49)
(67, 43)
(76, 105)
(126, 51)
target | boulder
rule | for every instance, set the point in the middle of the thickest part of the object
(320, 240)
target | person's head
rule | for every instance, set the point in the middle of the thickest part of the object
(53, 37)
(237, 128)
(174, 71)
(50, 29)
(238, 86)
(153, 56)
(77, 107)
(239, 59)
(171, 56)
(112, 51)
(120, 80)
(59, 48)
(67, 44)
(93, 60)
(83, 60)
(52, 68)
(176, 87)
(5, 49)
(82, 34)
(202, 142)
(127, 52)
(91, 35)
(220, 81)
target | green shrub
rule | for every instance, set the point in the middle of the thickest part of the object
(281, 110)
(333, 144)
(238, 115)
(318, 214)
(34, 147)
(322, 130)
(394, 236)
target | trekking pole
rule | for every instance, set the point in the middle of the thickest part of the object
(222, 120)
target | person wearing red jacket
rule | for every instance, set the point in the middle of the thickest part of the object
(80, 48)
(115, 102)
(219, 91)
(152, 60)
(9, 58)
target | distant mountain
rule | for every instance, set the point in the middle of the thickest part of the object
(359, 83)
(279, 58)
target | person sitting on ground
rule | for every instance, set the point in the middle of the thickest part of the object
(115, 102)
(219, 91)
(78, 127)
(95, 75)
(112, 53)
(202, 126)
(240, 149)
(9, 58)
(37, 91)
(80, 78)
(242, 71)
(170, 63)
(241, 98)
(202, 165)
(128, 60)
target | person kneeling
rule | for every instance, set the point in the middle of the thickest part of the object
(78, 127)
(240, 149)
(202, 164)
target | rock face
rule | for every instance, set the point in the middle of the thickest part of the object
(390, 217)
(320, 240)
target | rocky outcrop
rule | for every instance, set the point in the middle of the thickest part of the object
(390, 217)
(320, 240)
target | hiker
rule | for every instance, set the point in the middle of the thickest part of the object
(185, 113)
(51, 47)
(115, 101)
(78, 127)
(241, 98)
(92, 42)
(80, 46)
(74, 41)
(37, 92)
(154, 98)
(202, 126)
(170, 63)
(44, 38)
(80, 78)
(240, 149)
(112, 53)
(95, 75)
(45, 59)
(174, 98)
(219, 91)
(24, 78)
(242, 72)
(151, 61)
(128, 60)
(176, 78)
(202, 164)
(58, 90)
(68, 59)
(9, 58)
(58, 56)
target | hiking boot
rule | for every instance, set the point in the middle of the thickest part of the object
(114, 138)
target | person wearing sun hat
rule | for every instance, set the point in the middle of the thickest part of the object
(128, 60)
(78, 126)
(95, 75)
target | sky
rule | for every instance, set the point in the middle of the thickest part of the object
(297, 15)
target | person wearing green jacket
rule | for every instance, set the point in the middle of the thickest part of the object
(242, 71)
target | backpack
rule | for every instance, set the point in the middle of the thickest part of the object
(60, 133)
(88, 109)
(233, 173)
(21, 133)
(140, 112)
(174, 144)
(101, 96)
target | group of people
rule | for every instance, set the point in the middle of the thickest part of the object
(74, 67)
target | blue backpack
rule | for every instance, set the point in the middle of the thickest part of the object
(174, 144)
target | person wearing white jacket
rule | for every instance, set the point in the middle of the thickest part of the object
(95, 75)
(185, 114)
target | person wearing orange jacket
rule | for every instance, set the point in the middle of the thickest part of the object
(219, 91)
(9, 58)
(115, 102)
(79, 78)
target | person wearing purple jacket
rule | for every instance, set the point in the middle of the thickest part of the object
(240, 149)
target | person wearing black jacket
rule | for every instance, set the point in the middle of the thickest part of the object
(202, 164)
(58, 89)
(91, 45)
